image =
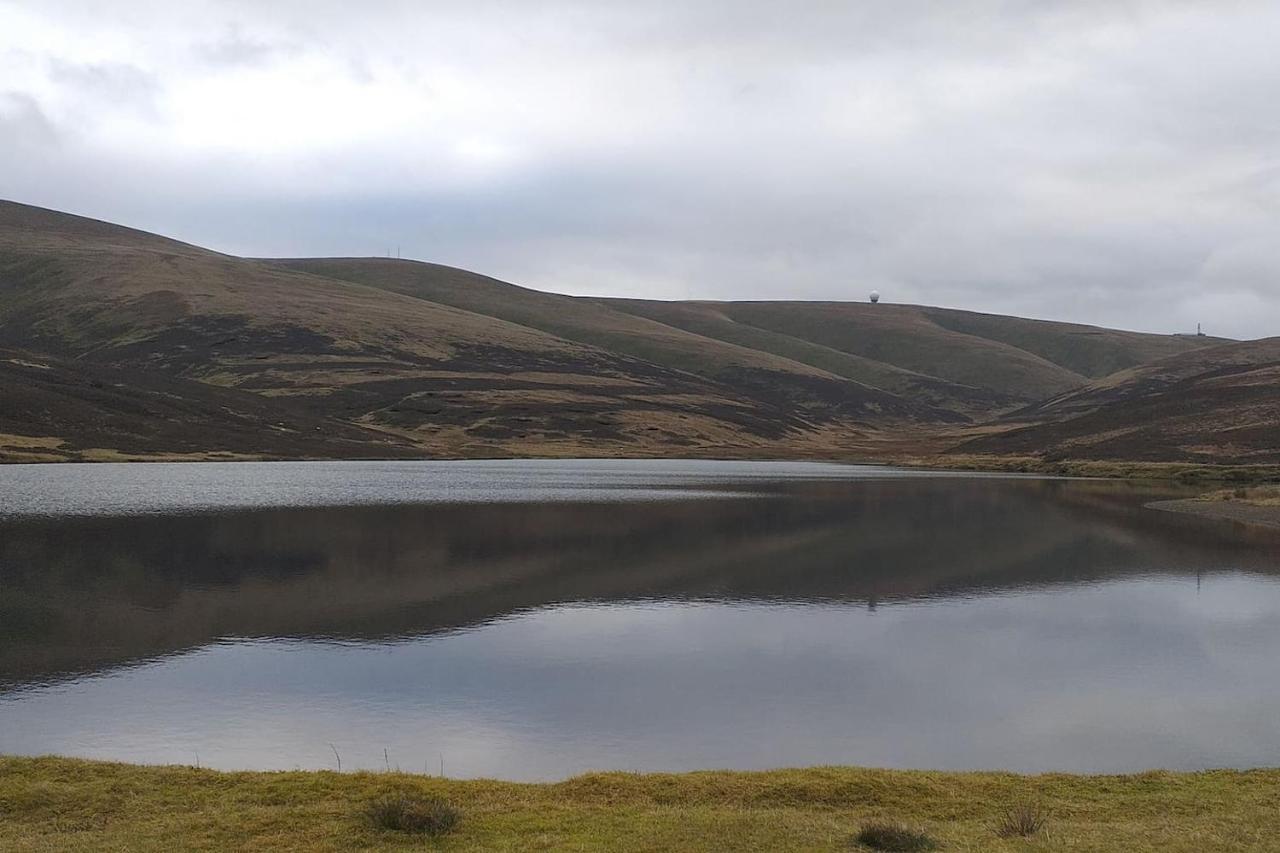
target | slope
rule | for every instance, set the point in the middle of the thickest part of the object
(55, 410)
(1023, 359)
(772, 376)
(713, 320)
(445, 379)
(972, 365)
(1220, 405)
(1086, 350)
(411, 357)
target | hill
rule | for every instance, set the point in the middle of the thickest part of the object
(55, 410)
(1219, 405)
(154, 346)
(971, 365)
(402, 370)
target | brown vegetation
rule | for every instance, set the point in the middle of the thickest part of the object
(115, 343)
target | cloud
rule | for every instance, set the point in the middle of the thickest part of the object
(109, 86)
(23, 125)
(1102, 162)
(235, 48)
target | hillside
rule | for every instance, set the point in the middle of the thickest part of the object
(153, 346)
(952, 360)
(738, 359)
(55, 410)
(1219, 405)
(403, 370)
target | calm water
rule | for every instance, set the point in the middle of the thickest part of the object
(533, 620)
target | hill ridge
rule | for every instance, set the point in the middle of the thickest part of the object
(421, 358)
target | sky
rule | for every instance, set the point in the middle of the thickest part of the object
(1108, 162)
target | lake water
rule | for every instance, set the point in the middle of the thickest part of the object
(533, 620)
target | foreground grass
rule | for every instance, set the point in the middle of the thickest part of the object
(64, 804)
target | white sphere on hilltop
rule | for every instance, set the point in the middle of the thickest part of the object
(875, 296)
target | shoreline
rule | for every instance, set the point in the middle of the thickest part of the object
(1182, 472)
(52, 803)
(1235, 511)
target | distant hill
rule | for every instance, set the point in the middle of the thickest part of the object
(1219, 405)
(969, 364)
(150, 346)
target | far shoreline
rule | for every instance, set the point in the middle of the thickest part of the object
(1233, 511)
(1111, 469)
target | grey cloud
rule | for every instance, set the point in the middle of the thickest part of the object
(111, 84)
(1100, 162)
(236, 48)
(24, 125)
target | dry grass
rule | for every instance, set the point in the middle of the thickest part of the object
(1254, 496)
(1022, 821)
(30, 441)
(59, 804)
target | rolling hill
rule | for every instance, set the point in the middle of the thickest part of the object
(960, 362)
(1218, 405)
(149, 346)
(398, 368)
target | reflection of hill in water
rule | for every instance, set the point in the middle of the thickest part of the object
(86, 594)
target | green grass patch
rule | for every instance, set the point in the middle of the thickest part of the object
(49, 804)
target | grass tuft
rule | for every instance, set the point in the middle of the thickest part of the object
(416, 815)
(894, 837)
(1022, 821)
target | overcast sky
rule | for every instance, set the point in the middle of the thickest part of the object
(1113, 163)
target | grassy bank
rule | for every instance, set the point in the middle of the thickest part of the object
(1265, 496)
(1186, 472)
(1252, 505)
(63, 804)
